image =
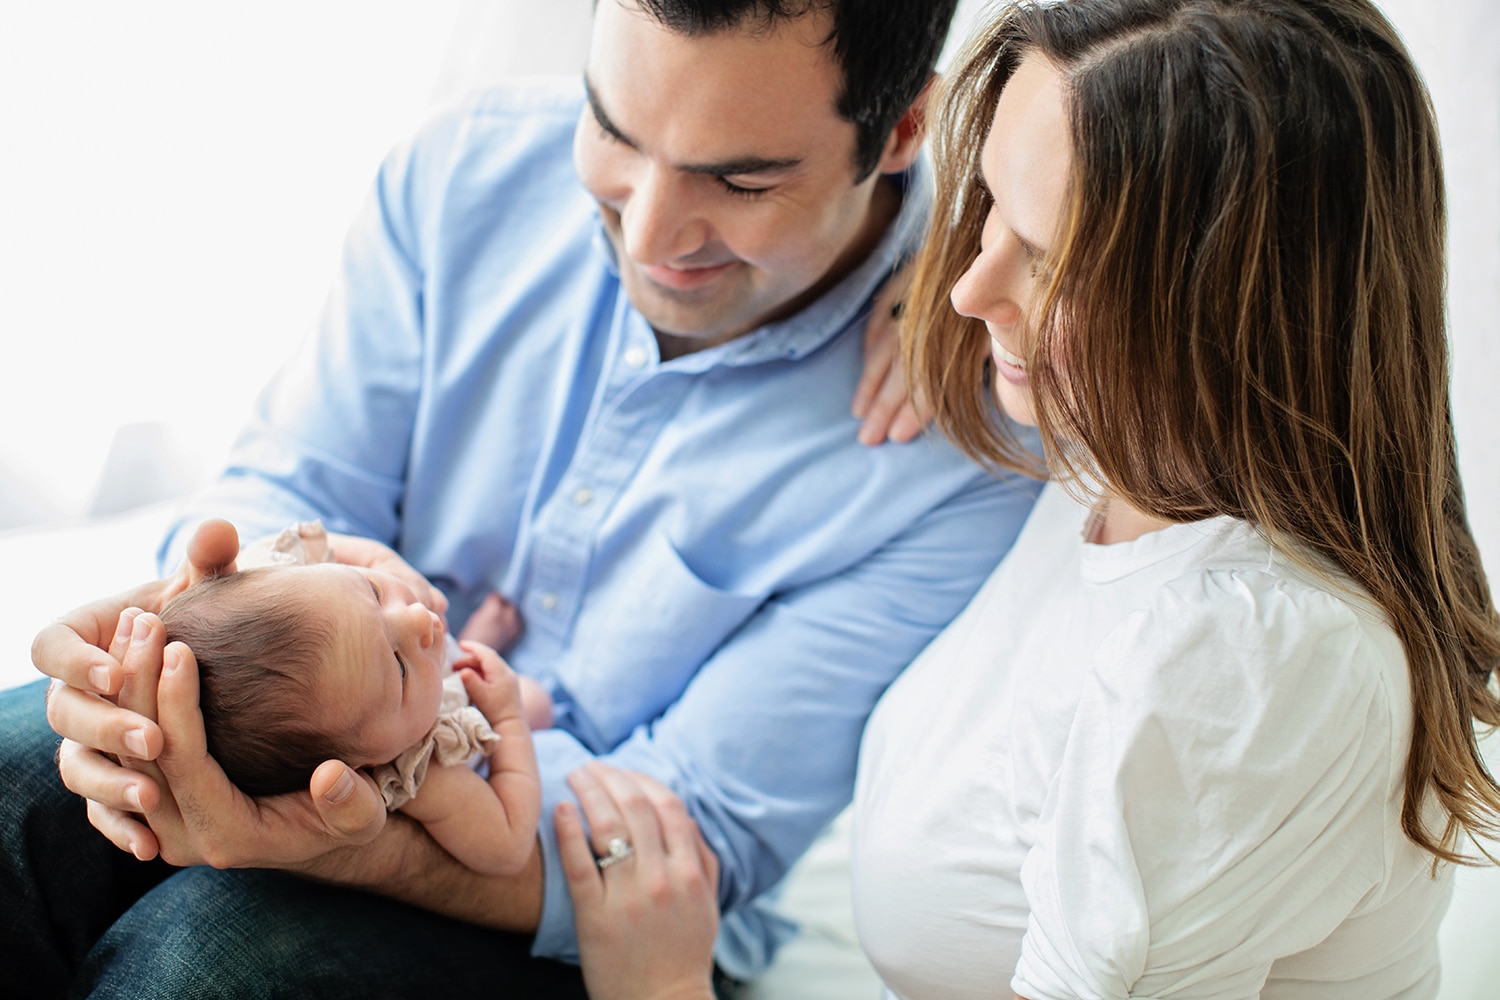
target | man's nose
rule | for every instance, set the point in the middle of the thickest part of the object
(660, 220)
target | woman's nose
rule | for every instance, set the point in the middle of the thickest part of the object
(983, 293)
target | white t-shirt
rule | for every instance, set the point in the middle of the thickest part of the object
(1170, 767)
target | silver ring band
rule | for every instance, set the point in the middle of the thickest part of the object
(619, 849)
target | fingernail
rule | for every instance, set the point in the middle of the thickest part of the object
(133, 796)
(341, 789)
(140, 630)
(99, 677)
(122, 630)
(135, 850)
(135, 741)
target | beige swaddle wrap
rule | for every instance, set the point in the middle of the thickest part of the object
(459, 733)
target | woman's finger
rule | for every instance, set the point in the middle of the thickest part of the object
(879, 354)
(628, 792)
(680, 833)
(579, 866)
(883, 419)
(604, 818)
(707, 859)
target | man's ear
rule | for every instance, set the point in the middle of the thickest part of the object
(905, 140)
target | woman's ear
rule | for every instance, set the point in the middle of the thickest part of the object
(905, 140)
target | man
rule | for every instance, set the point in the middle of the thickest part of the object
(623, 405)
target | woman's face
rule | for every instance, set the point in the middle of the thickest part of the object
(1025, 167)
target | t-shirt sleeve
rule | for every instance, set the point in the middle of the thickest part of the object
(1222, 795)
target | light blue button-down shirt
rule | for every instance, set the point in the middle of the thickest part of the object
(718, 581)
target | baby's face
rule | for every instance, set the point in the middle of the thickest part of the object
(383, 681)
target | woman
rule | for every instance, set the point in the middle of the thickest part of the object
(1208, 730)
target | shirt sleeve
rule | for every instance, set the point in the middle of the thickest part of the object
(1222, 795)
(761, 745)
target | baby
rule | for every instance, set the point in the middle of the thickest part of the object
(302, 660)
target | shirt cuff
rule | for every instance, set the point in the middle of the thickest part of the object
(558, 755)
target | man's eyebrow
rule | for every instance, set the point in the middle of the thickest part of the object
(742, 166)
(599, 115)
(723, 168)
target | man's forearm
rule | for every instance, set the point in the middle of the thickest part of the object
(405, 863)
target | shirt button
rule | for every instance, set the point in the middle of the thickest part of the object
(548, 602)
(635, 357)
(583, 496)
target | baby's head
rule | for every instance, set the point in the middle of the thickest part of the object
(301, 664)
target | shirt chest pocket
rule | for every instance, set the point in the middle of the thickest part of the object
(645, 629)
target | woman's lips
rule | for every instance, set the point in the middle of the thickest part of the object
(1011, 367)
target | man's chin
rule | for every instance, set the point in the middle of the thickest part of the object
(696, 315)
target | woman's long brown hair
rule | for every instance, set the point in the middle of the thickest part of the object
(1245, 315)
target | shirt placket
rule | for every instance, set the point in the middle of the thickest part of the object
(638, 398)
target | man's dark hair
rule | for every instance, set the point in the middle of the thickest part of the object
(886, 49)
(258, 652)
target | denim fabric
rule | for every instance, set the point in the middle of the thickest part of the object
(78, 917)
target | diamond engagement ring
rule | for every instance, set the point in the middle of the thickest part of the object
(619, 849)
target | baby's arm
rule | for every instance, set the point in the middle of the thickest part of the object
(489, 826)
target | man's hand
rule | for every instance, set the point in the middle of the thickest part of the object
(96, 659)
(192, 813)
(882, 400)
(81, 649)
(351, 550)
(141, 754)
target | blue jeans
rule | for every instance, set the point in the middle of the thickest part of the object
(80, 917)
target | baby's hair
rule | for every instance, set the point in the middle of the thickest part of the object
(258, 650)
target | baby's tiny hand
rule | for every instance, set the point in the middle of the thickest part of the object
(491, 684)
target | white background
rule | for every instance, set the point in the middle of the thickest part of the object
(175, 180)
(176, 177)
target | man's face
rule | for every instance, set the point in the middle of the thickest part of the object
(724, 175)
